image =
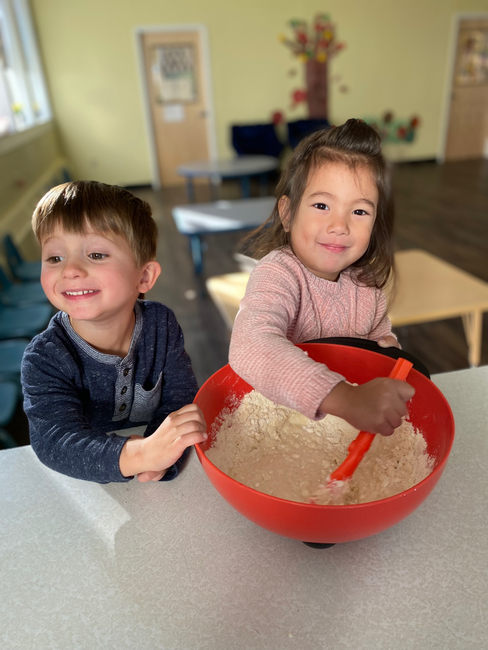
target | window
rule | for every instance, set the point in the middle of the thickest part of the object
(24, 102)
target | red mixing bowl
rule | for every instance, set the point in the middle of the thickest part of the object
(428, 410)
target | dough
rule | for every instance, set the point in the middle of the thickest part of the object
(280, 452)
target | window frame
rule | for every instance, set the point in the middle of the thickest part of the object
(26, 94)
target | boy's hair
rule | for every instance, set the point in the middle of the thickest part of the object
(106, 208)
(356, 145)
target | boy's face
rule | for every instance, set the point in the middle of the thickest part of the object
(92, 277)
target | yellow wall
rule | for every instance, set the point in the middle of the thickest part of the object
(30, 162)
(22, 165)
(395, 59)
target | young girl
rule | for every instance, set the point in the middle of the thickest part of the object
(326, 254)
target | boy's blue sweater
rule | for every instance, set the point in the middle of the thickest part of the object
(75, 395)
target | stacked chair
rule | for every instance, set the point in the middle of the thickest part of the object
(24, 312)
(20, 269)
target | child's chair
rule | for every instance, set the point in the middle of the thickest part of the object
(20, 294)
(20, 269)
(255, 140)
(9, 395)
(11, 353)
(299, 129)
(24, 322)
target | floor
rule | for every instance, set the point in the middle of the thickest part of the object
(440, 208)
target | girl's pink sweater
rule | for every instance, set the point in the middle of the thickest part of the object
(284, 304)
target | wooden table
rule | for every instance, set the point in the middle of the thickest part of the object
(199, 219)
(172, 566)
(428, 289)
(243, 168)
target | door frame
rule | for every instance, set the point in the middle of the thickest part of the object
(449, 80)
(139, 32)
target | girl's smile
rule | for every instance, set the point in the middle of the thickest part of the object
(334, 221)
(334, 248)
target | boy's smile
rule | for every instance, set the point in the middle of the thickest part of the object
(92, 276)
(333, 224)
(76, 294)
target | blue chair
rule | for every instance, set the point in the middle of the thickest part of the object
(9, 395)
(256, 140)
(23, 322)
(20, 294)
(20, 269)
(11, 353)
(299, 129)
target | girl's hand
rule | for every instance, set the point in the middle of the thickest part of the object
(376, 406)
(388, 342)
(150, 457)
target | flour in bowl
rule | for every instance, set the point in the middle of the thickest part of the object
(280, 452)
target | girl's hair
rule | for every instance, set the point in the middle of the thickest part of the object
(356, 145)
(106, 208)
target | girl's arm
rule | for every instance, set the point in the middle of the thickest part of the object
(261, 352)
(378, 405)
(381, 331)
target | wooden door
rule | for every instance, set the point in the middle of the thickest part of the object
(467, 135)
(177, 92)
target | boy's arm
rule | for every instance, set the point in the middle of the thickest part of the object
(59, 433)
(179, 383)
(163, 451)
(179, 390)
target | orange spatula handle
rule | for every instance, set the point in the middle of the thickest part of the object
(360, 445)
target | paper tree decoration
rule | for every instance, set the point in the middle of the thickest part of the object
(314, 46)
(392, 130)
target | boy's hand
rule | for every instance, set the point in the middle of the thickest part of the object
(150, 457)
(376, 406)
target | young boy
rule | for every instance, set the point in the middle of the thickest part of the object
(108, 361)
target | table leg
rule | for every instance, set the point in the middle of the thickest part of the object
(472, 323)
(263, 184)
(246, 187)
(196, 253)
(190, 189)
(214, 195)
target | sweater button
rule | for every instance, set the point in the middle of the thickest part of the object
(124, 390)
(126, 371)
(123, 407)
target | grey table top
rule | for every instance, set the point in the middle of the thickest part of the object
(173, 566)
(241, 166)
(222, 216)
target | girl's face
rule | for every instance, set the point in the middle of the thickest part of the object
(333, 224)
